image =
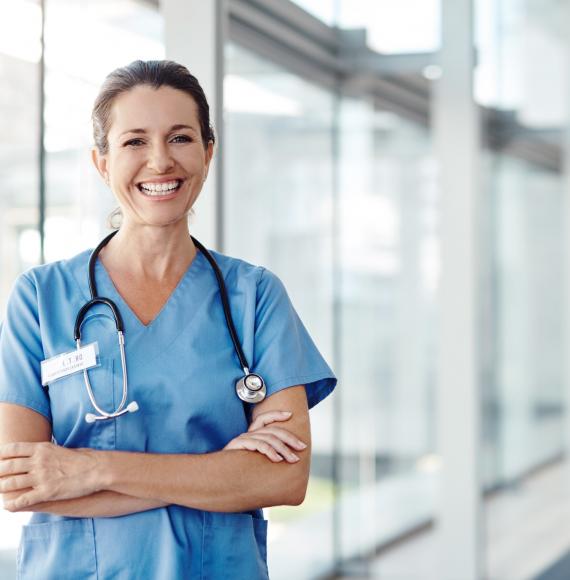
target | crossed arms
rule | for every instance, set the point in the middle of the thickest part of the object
(257, 469)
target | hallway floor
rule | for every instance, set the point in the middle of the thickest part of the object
(527, 530)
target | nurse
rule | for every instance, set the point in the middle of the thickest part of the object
(175, 489)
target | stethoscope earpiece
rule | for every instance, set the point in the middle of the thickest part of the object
(131, 408)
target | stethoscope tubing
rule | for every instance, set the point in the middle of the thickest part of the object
(225, 304)
(250, 388)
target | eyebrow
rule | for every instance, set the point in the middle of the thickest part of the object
(173, 128)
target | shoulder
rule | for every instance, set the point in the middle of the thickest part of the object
(57, 268)
(54, 275)
(232, 266)
(243, 275)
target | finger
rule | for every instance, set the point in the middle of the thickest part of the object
(277, 444)
(269, 417)
(23, 501)
(15, 483)
(13, 466)
(286, 436)
(261, 446)
(9, 450)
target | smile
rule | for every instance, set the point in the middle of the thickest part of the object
(160, 189)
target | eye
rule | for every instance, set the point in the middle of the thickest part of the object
(133, 142)
(185, 138)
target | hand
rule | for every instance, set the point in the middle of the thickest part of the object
(45, 472)
(271, 441)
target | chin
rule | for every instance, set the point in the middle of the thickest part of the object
(164, 221)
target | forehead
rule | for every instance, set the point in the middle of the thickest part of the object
(150, 108)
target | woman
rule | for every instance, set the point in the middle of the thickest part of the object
(175, 488)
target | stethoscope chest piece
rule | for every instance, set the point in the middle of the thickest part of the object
(251, 388)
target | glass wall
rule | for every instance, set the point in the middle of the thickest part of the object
(20, 50)
(309, 153)
(389, 270)
(522, 81)
(77, 199)
(526, 386)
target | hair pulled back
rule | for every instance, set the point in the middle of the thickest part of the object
(156, 74)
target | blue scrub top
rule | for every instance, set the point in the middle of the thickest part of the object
(182, 370)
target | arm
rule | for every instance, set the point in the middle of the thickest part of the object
(101, 504)
(18, 423)
(227, 480)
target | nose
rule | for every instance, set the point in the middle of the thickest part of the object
(159, 158)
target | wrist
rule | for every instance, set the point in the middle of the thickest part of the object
(102, 467)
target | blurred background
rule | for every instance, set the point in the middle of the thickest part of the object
(404, 168)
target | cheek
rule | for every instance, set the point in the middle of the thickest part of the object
(124, 165)
(192, 164)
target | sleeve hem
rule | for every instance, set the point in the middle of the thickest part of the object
(317, 386)
(299, 380)
(33, 405)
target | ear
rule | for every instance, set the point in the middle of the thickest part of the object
(209, 155)
(100, 162)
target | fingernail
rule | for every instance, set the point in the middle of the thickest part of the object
(295, 458)
(286, 412)
(301, 444)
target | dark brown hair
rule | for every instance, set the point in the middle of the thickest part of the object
(156, 74)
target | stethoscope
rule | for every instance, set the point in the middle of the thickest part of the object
(250, 388)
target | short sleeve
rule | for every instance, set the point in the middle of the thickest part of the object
(21, 350)
(284, 353)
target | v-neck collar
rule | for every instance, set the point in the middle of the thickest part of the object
(145, 344)
(107, 288)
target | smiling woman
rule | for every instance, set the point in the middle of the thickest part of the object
(167, 160)
(209, 442)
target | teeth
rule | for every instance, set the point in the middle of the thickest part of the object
(159, 188)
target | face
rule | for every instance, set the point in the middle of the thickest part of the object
(156, 162)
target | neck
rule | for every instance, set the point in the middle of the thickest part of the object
(150, 252)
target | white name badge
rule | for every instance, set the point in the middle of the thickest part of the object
(68, 363)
